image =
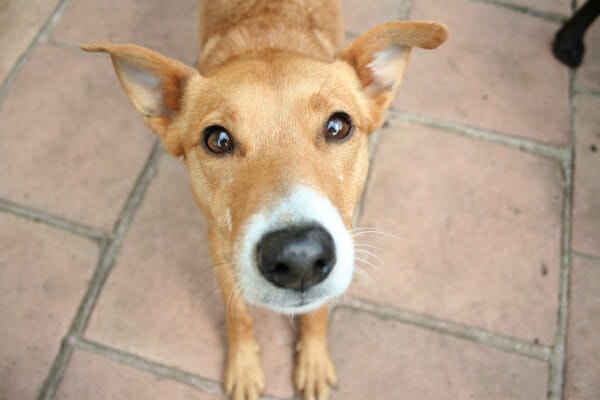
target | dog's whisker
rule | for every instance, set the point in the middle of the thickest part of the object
(356, 233)
(366, 262)
(372, 248)
(358, 270)
(367, 252)
(359, 236)
(370, 265)
(368, 245)
(366, 255)
(365, 234)
(362, 228)
(362, 276)
(366, 248)
(370, 254)
(365, 228)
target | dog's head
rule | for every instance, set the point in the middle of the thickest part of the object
(277, 151)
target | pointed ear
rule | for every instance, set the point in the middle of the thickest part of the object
(380, 55)
(154, 84)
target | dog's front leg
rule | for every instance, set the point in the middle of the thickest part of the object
(314, 371)
(244, 377)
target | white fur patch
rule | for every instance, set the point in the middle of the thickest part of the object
(387, 67)
(302, 206)
(145, 89)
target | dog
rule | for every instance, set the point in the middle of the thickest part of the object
(274, 127)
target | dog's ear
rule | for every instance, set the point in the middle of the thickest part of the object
(380, 55)
(154, 84)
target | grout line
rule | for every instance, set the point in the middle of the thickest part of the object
(155, 368)
(40, 37)
(404, 9)
(57, 370)
(63, 45)
(557, 361)
(582, 89)
(547, 15)
(54, 221)
(122, 225)
(105, 263)
(530, 146)
(492, 339)
(588, 257)
(350, 36)
(46, 33)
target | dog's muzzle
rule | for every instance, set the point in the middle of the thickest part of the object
(296, 258)
(295, 254)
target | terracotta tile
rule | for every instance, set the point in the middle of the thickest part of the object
(359, 16)
(583, 347)
(486, 75)
(589, 73)
(43, 277)
(72, 144)
(171, 30)
(469, 231)
(162, 300)
(403, 362)
(586, 208)
(90, 376)
(20, 22)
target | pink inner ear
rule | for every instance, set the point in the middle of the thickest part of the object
(144, 89)
(387, 67)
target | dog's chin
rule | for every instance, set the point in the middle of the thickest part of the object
(261, 293)
(295, 308)
(292, 302)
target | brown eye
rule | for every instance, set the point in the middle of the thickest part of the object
(218, 140)
(338, 127)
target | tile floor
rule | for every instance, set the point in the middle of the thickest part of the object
(484, 187)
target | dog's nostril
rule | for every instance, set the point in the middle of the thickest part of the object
(320, 264)
(296, 258)
(280, 269)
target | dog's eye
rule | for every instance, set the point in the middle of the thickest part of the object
(338, 127)
(218, 140)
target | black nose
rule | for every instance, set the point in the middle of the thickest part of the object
(296, 258)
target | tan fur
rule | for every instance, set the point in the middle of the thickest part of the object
(271, 73)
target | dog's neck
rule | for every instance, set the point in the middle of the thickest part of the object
(256, 37)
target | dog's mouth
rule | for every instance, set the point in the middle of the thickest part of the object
(295, 256)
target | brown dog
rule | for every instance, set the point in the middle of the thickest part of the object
(274, 128)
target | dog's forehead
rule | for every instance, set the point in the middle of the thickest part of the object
(260, 101)
(277, 91)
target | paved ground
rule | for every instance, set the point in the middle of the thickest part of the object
(484, 189)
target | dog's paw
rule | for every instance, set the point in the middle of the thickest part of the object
(244, 377)
(315, 372)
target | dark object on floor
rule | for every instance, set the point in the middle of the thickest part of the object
(568, 44)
